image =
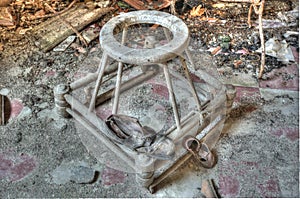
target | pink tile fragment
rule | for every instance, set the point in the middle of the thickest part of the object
(229, 186)
(234, 176)
(161, 90)
(22, 168)
(5, 165)
(16, 167)
(111, 176)
(269, 188)
(16, 107)
(247, 94)
(50, 73)
(284, 78)
(290, 133)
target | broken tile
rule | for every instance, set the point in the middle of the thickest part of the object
(270, 94)
(15, 167)
(77, 172)
(290, 133)
(283, 78)
(111, 176)
(16, 107)
(91, 33)
(247, 94)
(229, 186)
(235, 177)
(82, 174)
(240, 79)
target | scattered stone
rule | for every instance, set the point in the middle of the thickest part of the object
(43, 105)
(60, 124)
(26, 111)
(82, 175)
(15, 71)
(4, 91)
(77, 172)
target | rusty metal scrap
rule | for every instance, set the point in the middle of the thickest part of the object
(200, 151)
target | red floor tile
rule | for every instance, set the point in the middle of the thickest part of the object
(286, 78)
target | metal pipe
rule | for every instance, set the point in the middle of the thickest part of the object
(167, 34)
(119, 76)
(2, 110)
(189, 124)
(117, 89)
(93, 77)
(99, 79)
(125, 86)
(171, 95)
(188, 76)
(83, 81)
(188, 54)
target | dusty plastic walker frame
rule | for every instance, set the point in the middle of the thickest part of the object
(67, 104)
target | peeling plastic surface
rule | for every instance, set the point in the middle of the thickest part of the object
(279, 49)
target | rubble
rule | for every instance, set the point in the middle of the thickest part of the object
(279, 49)
(6, 18)
(46, 35)
(77, 172)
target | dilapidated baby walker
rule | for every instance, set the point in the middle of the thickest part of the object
(147, 109)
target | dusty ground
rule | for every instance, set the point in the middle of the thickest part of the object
(41, 155)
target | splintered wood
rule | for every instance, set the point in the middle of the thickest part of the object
(50, 33)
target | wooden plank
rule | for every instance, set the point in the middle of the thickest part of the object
(50, 33)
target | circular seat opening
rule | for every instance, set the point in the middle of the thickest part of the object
(144, 35)
(152, 37)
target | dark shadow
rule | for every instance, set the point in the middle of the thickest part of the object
(5, 109)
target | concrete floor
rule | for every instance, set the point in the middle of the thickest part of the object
(258, 152)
